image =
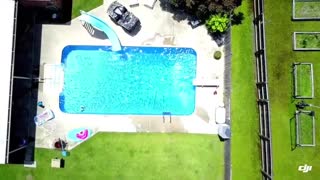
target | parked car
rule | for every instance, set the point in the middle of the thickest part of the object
(122, 17)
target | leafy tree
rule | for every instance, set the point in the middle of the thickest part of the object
(215, 13)
(203, 8)
(217, 23)
(202, 12)
(177, 3)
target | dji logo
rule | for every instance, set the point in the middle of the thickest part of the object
(305, 168)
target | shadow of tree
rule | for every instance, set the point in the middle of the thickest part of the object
(237, 18)
(178, 14)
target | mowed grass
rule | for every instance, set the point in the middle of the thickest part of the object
(280, 54)
(245, 146)
(304, 80)
(85, 5)
(305, 129)
(308, 40)
(307, 9)
(131, 156)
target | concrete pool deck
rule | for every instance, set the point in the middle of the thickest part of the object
(158, 29)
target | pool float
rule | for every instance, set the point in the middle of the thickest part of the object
(79, 134)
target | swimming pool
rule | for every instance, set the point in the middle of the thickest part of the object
(136, 80)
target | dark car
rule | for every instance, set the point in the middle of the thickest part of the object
(121, 16)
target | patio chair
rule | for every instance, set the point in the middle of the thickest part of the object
(150, 3)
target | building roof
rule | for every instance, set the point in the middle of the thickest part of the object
(6, 46)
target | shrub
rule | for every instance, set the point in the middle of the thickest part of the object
(217, 23)
(203, 8)
(217, 55)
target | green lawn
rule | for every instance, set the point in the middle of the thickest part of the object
(245, 147)
(307, 9)
(305, 130)
(85, 5)
(304, 80)
(131, 156)
(279, 30)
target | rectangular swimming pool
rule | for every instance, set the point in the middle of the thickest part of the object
(136, 80)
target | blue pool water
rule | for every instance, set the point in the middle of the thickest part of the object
(136, 80)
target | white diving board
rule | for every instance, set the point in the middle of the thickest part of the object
(206, 82)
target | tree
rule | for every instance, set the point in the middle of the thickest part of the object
(217, 23)
(202, 12)
(203, 8)
(177, 3)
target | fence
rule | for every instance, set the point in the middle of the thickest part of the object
(227, 94)
(262, 91)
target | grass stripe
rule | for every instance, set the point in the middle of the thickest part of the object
(245, 147)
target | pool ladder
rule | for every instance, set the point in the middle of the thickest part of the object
(164, 114)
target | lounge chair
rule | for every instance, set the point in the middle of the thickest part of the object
(220, 115)
(150, 3)
(45, 116)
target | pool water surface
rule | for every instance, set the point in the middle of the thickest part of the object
(136, 80)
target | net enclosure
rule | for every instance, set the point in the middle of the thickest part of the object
(305, 128)
(303, 80)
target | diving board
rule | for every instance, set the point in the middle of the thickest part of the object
(204, 82)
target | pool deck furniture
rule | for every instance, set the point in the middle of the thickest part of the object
(56, 163)
(220, 115)
(43, 117)
(224, 131)
(150, 3)
(206, 82)
(134, 3)
(195, 22)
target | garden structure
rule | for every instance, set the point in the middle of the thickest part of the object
(305, 128)
(305, 9)
(303, 80)
(306, 41)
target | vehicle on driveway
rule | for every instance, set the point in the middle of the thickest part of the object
(122, 17)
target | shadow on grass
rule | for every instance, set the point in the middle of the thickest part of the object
(222, 139)
(293, 135)
(292, 84)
